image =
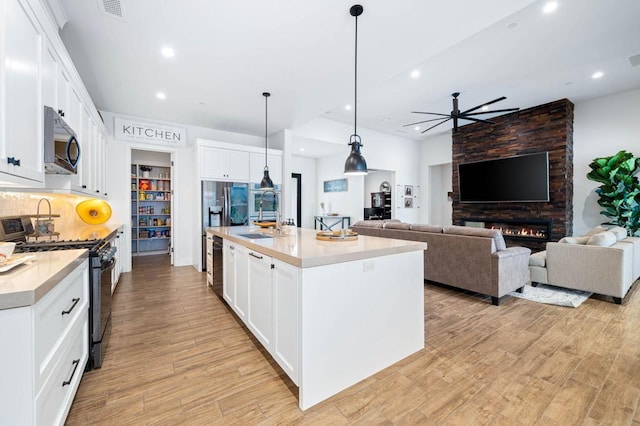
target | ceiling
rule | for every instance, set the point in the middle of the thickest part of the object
(228, 52)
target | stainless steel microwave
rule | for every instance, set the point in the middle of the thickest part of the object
(61, 147)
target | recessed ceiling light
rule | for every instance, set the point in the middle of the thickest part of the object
(416, 128)
(161, 95)
(596, 75)
(550, 6)
(301, 149)
(348, 107)
(415, 73)
(168, 52)
(485, 108)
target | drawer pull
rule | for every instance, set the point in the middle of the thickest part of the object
(75, 302)
(255, 255)
(73, 373)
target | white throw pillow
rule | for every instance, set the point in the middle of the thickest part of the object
(620, 232)
(595, 230)
(574, 240)
(602, 239)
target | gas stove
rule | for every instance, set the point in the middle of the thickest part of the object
(39, 246)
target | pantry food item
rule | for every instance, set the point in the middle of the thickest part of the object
(94, 211)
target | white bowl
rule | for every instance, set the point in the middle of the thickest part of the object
(6, 250)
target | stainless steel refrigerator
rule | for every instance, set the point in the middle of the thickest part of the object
(223, 204)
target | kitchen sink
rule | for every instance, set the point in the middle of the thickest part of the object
(255, 235)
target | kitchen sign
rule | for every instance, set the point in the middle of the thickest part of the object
(137, 131)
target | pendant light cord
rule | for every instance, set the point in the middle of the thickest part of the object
(266, 116)
(355, 106)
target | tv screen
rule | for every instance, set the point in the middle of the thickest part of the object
(524, 178)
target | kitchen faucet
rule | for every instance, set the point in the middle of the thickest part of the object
(277, 206)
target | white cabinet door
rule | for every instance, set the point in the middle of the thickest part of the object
(260, 316)
(224, 164)
(285, 308)
(238, 165)
(21, 148)
(257, 167)
(229, 275)
(63, 89)
(50, 64)
(241, 302)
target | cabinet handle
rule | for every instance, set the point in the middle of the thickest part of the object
(73, 373)
(12, 160)
(84, 186)
(98, 191)
(75, 302)
(61, 113)
(255, 255)
(232, 247)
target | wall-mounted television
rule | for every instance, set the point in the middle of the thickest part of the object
(522, 178)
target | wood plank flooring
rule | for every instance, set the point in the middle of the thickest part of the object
(178, 356)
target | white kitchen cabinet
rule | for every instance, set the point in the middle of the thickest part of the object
(229, 274)
(63, 89)
(21, 147)
(285, 307)
(49, 350)
(263, 292)
(256, 167)
(50, 67)
(260, 315)
(224, 164)
(116, 242)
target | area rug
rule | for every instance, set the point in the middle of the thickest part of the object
(552, 295)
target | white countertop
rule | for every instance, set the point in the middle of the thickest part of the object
(25, 284)
(302, 249)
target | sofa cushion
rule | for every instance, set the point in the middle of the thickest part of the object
(397, 225)
(602, 239)
(434, 229)
(595, 230)
(477, 232)
(620, 232)
(370, 223)
(538, 259)
(574, 240)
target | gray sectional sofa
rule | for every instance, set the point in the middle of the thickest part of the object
(469, 258)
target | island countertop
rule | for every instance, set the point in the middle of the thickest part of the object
(301, 248)
(25, 284)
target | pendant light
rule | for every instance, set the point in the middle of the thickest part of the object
(266, 182)
(355, 164)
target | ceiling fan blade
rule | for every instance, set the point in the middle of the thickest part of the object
(494, 111)
(425, 121)
(432, 113)
(477, 120)
(444, 121)
(502, 98)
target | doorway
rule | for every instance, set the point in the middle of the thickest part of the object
(152, 207)
(296, 197)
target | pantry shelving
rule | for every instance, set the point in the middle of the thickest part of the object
(151, 194)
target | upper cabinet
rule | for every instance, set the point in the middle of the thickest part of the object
(36, 71)
(237, 163)
(21, 113)
(224, 164)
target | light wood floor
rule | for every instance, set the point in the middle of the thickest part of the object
(179, 356)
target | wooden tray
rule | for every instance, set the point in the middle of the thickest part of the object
(264, 224)
(336, 236)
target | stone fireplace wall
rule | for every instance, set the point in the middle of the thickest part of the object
(546, 127)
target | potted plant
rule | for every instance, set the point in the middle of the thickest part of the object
(619, 189)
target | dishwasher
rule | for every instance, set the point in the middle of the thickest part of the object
(218, 266)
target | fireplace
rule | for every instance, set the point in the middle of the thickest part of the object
(531, 233)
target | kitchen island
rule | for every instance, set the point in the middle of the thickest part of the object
(331, 313)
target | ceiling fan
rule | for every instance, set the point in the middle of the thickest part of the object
(456, 114)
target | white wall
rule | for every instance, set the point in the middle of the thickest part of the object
(310, 207)
(434, 151)
(441, 207)
(602, 127)
(381, 151)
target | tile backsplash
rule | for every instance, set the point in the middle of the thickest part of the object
(26, 203)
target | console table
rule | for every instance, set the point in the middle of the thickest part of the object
(328, 222)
